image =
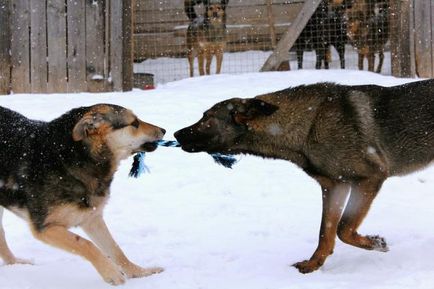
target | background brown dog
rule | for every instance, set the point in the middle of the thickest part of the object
(345, 137)
(368, 30)
(206, 37)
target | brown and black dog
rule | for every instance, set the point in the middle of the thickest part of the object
(206, 36)
(57, 175)
(368, 30)
(345, 137)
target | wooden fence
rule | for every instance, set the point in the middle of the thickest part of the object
(65, 46)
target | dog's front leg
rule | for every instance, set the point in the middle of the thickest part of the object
(97, 230)
(219, 60)
(201, 61)
(208, 58)
(60, 237)
(333, 198)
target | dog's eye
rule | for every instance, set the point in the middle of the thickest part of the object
(135, 123)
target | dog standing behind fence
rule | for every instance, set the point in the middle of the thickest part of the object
(368, 30)
(206, 36)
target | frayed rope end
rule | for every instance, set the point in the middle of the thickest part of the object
(139, 166)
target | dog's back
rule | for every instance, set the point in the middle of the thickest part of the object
(16, 132)
(405, 118)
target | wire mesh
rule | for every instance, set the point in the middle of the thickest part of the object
(350, 34)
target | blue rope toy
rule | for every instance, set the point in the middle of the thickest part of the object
(139, 165)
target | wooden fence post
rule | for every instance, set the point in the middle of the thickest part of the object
(271, 23)
(423, 27)
(121, 49)
(281, 52)
(402, 38)
(5, 46)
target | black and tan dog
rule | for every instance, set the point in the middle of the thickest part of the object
(345, 137)
(57, 175)
(206, 36)
(368, 30)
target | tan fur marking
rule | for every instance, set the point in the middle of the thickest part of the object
(60, 237)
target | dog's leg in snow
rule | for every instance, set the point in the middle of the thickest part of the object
(334, 196)
(357, 208)
(60, 237)
(5, 253)
(97, 230)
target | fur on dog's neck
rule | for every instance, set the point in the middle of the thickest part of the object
(58, 152)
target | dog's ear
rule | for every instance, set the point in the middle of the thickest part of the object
(86, 126)
(253, 108)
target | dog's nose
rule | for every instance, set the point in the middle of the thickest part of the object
(163, 130)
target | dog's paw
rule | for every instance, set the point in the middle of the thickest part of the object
(307, 266)
(378, 243)
(112, 274)
(135, 271)
(14, 261)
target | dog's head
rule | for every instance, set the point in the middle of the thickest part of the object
(107, 126)
(215, 11)
(225, 127)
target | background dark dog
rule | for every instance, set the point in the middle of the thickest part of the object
(345, 137)
(368, 30)
(325, 28)
(57, 175)
(206, 36)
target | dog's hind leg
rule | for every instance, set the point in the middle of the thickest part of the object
(208, 58)
(190, 56)
(334, 196)
(200, 60)
(371, 61)
(5, 253)
(299, 57)
(97, 230)
(361, 57)
(60, 237)
(341, 52)
(360, 200)
(380, 62)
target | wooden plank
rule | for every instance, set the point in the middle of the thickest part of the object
(56, 34)
(121, 52)
(271, 21)
(280, 54)
(76, 27)
(20, 46)
(95, 45)
(394, 37)
(5, 45)
(432, 39)
(127, 37)
(407, 39)
(423, 41)
(38, 46)
(116, 44)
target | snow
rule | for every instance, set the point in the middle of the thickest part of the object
(216, 228)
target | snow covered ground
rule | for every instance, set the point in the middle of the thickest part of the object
(215, 228)
(166, 69)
